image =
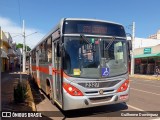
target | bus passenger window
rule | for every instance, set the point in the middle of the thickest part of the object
(49, 50)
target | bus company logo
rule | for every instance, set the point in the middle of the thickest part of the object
(101, 92)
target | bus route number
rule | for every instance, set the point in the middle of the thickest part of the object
(92, 84)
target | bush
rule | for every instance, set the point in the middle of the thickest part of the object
(20, 93)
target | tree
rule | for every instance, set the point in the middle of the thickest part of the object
(19, 45)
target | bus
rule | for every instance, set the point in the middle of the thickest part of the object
(83, 63)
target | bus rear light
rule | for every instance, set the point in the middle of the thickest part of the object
(124, 86)
(72, 90)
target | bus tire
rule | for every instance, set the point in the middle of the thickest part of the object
(48, 89)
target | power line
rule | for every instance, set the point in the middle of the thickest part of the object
(19, 9)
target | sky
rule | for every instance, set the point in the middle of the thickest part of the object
(42, 15)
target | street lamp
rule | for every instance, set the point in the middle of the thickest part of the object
(0, 58)
(0, 63)
(24, 44)
(133, 45)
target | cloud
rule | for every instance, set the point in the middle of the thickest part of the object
(15, 30)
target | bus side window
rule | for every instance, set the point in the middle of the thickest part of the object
(42, 53)
(49, 50)
(58, 50)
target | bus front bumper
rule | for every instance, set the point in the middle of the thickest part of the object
(78, 102)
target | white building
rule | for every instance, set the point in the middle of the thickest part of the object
(146, 55)
(143, 42)
(155, 36)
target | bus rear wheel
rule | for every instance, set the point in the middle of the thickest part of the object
(48, 90)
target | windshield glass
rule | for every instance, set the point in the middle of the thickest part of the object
(93, 57)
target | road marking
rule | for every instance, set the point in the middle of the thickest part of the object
(138, 109)
(147, 84)
(155, 119)
(144, 80)
(145, 91)
(135, 108)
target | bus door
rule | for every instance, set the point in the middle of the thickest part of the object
(57, 80)
(37, 67)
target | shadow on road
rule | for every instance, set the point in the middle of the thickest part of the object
(101, 111)
(37, 95)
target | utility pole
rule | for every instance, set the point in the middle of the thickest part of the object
(0, 55)
(133, 45)
(24, 51)
(20, 69)
(0, 67)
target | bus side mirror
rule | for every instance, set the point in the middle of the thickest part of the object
(129, 43)
(58, 50)
(62, 50)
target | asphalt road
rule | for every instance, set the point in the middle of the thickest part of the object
(144, 98)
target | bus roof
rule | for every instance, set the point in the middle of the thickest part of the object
(48, 34)
(61, 22)
(89, 19)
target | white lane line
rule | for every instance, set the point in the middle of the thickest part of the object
(145, 91)
(155, 119)
(146, 84)
(138, 109)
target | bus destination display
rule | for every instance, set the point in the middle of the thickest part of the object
(93, 28)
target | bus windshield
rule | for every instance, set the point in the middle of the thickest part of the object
(100, 57)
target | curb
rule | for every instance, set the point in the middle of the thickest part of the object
(145, 77)
(31, 96)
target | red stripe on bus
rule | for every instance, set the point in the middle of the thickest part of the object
(46, 70)
(33, 68)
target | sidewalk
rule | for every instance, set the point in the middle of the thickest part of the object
(149, 77)
(8, 81)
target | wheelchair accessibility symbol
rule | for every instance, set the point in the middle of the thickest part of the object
(105, 72)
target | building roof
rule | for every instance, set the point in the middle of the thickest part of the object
(153, 51)
(147, 55)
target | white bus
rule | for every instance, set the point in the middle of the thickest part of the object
(83, 63)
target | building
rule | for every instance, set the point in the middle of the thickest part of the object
(146, 55)
(143, 42)
(4, 49)
(8, 52)
(155, 36)
(146, 59)
(19, 56)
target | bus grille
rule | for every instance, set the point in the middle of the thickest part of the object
(102, 84)
(100, 99)
(94, 92)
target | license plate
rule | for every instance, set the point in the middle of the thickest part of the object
(92, 84)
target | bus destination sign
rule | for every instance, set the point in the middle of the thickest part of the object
(93, 28)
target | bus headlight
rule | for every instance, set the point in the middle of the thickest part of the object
(72, 90)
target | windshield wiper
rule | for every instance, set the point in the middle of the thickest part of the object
(84, 38)
(110, 43)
